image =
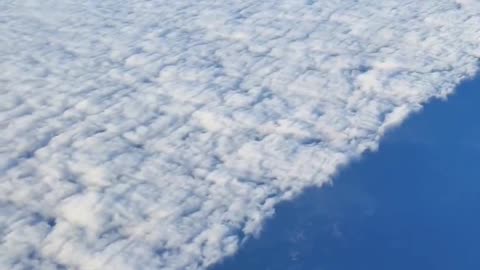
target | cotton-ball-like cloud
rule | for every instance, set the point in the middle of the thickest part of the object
(161, 134)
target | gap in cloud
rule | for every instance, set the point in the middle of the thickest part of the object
(414, 204)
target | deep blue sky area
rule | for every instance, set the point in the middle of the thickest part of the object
(414, 204)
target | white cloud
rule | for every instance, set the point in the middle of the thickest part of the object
(160, 134)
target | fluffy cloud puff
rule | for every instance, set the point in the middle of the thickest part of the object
(160, 134)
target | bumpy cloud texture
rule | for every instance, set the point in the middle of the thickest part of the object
(160, 134)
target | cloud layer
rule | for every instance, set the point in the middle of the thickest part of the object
(160, 134)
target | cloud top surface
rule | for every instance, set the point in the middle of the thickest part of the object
(160, 134)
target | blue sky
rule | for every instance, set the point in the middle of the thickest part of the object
(414, 204)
